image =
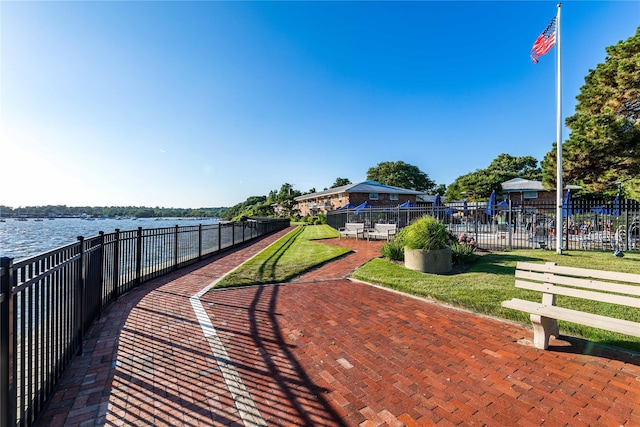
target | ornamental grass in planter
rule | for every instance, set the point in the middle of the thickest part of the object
(427, 246)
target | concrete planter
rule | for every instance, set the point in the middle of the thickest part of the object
(436, 261)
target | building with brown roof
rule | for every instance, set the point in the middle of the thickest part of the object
(376, 194)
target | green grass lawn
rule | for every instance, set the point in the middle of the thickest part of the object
(490, 280)
(290, 256)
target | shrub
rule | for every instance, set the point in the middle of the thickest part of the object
(393, 250)
(463, 248)
(427, 233)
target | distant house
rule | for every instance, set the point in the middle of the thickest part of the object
(521, 190)
(376, 194)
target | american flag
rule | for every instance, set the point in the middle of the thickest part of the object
(545, 41)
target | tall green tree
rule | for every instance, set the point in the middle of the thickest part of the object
(478, 185)
(400, 174)
(440, 189)
(340, 182)
(603, 150)
(285, 200)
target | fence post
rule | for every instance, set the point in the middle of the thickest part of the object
(563, 226)
(7, 379)
(199, 242)
(139, 257)
(626, 206)
(101, 273)
(175, 249)
(233, 233)
(81, 293)
(116, 266)
(509, 223)
(219, 237)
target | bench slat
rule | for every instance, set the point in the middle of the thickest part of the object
(579, 293)
(594, 320)
(579, 283)
(581, 272)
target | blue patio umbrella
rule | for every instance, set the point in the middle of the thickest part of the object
(362, 206)
(450, 211)
(567, 204)
(491, 204)
(347, 206)
(436, 203)
(503, 205)
(616, 205)
(601, 210)
(407, 204)
(465, 208)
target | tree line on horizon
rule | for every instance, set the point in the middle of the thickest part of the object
(109, 212)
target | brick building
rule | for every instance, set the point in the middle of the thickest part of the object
(378, 195)
(521, 191)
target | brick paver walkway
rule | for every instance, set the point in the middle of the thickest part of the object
(324, 350)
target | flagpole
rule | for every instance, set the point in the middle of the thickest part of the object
(559, 136)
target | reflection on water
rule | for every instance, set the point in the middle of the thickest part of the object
(23, 239)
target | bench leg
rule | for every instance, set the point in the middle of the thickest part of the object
(543, 328)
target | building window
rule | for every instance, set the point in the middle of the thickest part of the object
(530, 195)
(393, 197)
(373, 196)
(340, 196)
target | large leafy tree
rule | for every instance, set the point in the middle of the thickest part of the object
(400, 174)
(603, 150)
(340, 182)
(284, 199)
(480, 184)
(264, 205)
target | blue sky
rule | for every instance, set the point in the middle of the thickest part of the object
(203, 104)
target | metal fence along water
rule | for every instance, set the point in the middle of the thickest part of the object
(586, 224)
(48, 301)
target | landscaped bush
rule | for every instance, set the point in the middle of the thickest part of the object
(427, 233)
(463, 249)
(393, 250)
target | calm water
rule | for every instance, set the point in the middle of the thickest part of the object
(23, 239)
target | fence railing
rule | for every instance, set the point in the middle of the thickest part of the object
(47, 302)
(585, 225)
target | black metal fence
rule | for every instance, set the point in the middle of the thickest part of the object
(48, 301)
(585, 225)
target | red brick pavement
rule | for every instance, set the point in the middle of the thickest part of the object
(332, 352)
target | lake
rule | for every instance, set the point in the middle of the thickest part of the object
(24, 239)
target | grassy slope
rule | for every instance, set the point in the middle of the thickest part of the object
(490, 281)
(291, 255)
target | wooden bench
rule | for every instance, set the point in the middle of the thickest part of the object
(352, 229)
(596, 285)
(384, 231)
